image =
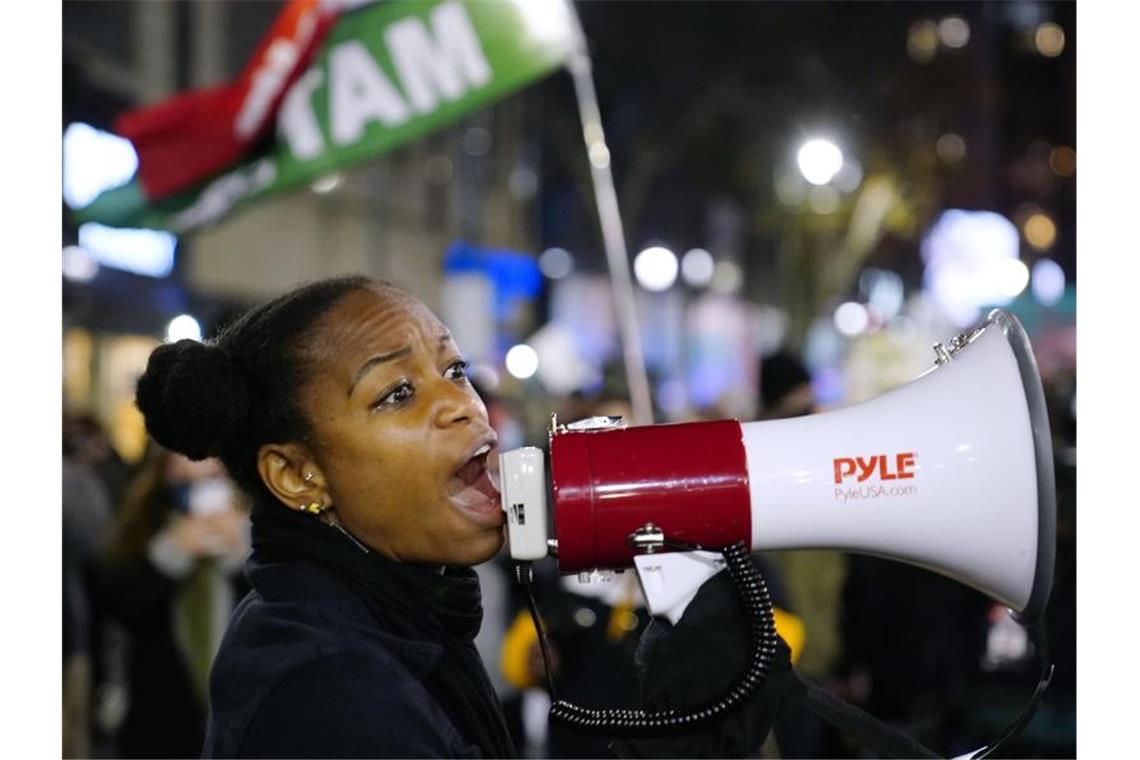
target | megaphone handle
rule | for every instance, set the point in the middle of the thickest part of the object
(630, 723)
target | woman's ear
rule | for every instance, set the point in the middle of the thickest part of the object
(291, 474)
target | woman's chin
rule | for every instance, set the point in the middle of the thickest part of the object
(480, 548)
(495, 543)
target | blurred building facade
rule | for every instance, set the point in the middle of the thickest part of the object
(393, 218)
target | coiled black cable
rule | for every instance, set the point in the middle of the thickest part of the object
(636, 723)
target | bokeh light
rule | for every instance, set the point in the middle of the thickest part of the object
(1048, 282)
(819, 161)
(697, 267)
(522, 361)
(965, 253)
(655, 268)
(851, 318)
(78, 264)
(1012, 277)
(1040, 231)
(556, 263)
(922, 41)
(1049, 39)
(954, 32)
(142, 251)
(1063, 161)
(94, 161)
(183, 327)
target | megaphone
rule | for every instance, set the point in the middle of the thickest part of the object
(952, 472)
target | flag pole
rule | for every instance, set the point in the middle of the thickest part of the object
(613, 233)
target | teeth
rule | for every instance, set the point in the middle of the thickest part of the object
(483, 450)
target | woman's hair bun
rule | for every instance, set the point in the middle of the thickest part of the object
(193, 398)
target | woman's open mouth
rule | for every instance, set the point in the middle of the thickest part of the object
(472, 490)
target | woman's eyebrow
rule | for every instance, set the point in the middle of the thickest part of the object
(388, 356)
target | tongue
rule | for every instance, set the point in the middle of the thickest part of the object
(472, 486)
(470, 473)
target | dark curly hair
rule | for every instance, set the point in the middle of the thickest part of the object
(229, 396)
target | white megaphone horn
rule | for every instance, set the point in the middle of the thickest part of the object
(952, 472)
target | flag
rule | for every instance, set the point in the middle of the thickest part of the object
(379, 76)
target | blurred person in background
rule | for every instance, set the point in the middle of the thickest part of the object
(85, 442)
(86, 515)
(343, 410)
(914, 642)
(170, 578)
(812, 580)
(785, 387)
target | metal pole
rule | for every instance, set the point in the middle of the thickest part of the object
(613, 234)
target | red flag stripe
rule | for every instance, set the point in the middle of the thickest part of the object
(194, 135)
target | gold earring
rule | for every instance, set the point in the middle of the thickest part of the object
(314, 507)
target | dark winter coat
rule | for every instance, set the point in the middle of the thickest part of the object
(320, 663)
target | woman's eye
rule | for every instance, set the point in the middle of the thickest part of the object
(457, 370)
(398, 395)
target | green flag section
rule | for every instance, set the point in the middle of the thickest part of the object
(387, 74)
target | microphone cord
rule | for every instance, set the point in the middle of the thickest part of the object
(1037, 635)
(636, 723)
(525, 576)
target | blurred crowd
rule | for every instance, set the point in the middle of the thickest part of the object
(152, 561)
(152, 566)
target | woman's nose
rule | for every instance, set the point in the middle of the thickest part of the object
(458, 404)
